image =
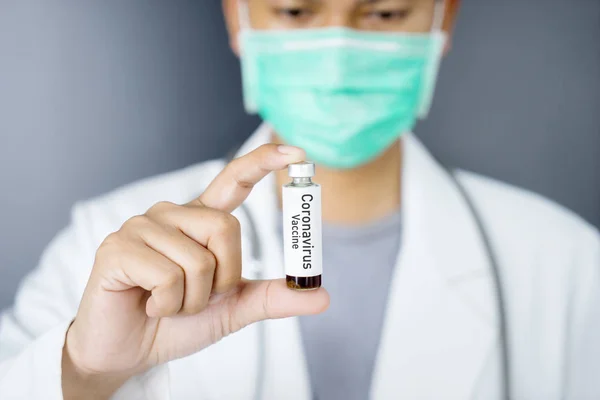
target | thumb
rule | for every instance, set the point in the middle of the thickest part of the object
(272, 299)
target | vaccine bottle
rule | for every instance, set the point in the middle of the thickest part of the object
(303, 252)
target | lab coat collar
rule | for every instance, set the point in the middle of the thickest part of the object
(439, 327)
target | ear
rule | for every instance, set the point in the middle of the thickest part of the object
(230, 10)
(451, 13)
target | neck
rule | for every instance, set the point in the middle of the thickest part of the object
(359, 195)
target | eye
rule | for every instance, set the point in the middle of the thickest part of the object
(388, 15)
(294, 13)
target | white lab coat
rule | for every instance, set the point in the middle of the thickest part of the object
(439, 338)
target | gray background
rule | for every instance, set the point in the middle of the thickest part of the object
(95, 94)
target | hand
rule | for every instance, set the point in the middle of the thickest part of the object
(168, 283)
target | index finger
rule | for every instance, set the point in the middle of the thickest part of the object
(231, 187)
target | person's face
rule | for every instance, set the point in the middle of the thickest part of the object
(371, 15)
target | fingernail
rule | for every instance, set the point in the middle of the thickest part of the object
(289, 150)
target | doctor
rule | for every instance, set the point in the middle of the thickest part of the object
(141, 297)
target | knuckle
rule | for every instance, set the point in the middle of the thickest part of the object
(203, 264)
(237, 170)
(136, 223)
(235, 223)
(111, 240)
(115, 251)
(196, 203)
(110, 245)
(226, 223)
(161, 207)
(206, 263)
(173, 277)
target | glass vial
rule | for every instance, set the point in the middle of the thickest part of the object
(302, 228)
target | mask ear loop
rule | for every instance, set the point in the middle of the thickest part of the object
(438, 43)
(439, 14)
(249, 70)
(243, 15)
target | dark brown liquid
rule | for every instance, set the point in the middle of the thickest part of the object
(303, 282)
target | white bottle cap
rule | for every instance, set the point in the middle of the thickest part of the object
(304, 169)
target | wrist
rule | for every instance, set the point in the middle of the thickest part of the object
(78, 381)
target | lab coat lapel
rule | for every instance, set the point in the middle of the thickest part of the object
(439, 326)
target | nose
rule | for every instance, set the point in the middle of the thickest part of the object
(339, 19)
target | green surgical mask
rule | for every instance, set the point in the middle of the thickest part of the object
(342, 95)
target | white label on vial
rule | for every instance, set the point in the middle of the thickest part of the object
(302, 231)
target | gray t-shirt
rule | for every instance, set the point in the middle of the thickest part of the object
(341, 344)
